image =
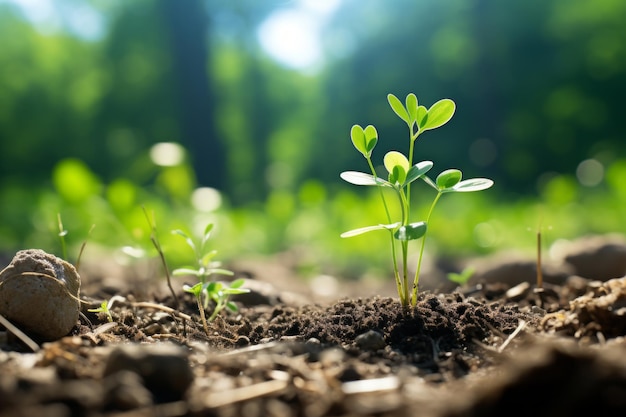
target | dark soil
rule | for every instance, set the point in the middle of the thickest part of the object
(486, 349)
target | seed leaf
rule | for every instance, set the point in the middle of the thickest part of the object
(357, 134)
(361, 230)
(411, 231)
(417, 171)
(411, 106)
(398, 108)
(470, 185)
(449, 178)
(371, 139)
(362, 178)
(439, 114)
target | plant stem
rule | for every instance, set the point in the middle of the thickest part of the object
(421, 254)
(201, 309)
(402, 291)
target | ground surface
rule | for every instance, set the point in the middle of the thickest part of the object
(496, 346)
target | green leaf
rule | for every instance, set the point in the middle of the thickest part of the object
(361, 178)
(196, 289)
(232, 306)
(430, 182)
(237, 283)
(220, 271)
(206, 259)
(207, 233)
(421, 116)
(186, 271)
(232, 291)
(411, 231)
(397, 165)
(417, 171)
(439, 114)
(357, 134)
(411, 106)
(470, 185)
(398, 108)
(448, 178)
(371, 139)
(361, 230)
(187, 238)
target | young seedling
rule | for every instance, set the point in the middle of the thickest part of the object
(402, 172)
(105, 307)
(462, 277)
(205, 290)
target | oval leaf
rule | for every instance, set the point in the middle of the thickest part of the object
(361, 230)
(417, 171)
(398, 108)
(449, 178)
(362, 178)
(470, 185)
(439, 114)
(411, 231)
(358, 139)
(411, 107)
(371, 138)
(422, 115)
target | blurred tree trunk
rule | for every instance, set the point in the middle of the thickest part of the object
(188, 23)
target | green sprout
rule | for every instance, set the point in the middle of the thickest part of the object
(206, 290)
(462, 277)
(105, 307)
(401, 174)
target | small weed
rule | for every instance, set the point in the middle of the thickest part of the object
(205, 290)
(462, 277)
(401, 174)
(105, 307)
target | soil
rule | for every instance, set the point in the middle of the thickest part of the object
(499, 345)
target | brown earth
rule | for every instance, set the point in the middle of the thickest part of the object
(496, 346)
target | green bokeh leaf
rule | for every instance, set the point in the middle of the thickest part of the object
(411, 231)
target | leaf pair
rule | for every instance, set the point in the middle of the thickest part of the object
(426, 119)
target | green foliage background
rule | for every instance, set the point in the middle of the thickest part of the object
(538, 87)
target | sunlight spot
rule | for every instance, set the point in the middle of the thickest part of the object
(485, 235)
(206, 199)
(292, 35)
(167, 154)
(590, 172)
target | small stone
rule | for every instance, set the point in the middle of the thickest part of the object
(39, 293)
(370, 340)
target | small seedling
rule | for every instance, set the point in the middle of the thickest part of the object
(105, 307)
(205, 290)
(462, 277)
(401, 174)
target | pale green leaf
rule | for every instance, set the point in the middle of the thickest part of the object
(439, 114)
(398, 108)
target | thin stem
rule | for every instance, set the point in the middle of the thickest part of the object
(201, 309)
(421, 254)
(402, 290)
